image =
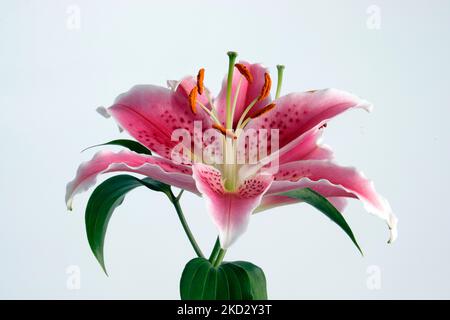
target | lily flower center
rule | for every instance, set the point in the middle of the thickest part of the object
(230, 134)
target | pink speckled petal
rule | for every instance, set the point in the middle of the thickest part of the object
(297, 113)
(230, 211)
(308, 147)
(154, 167)
(151, 113)
(295, 175)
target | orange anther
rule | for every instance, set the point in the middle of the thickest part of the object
(224, 131)
(244, 71)
(200, 77)
(263, 110)
(193, 100)
(265, 90)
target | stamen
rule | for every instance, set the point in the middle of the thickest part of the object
(264, 110)
(246, 111)
(256, 115)
(245, 123)
(280, 69)
(211, 103)
(200, 77)
(323, 126)
(224, 131)
(265, 91)
(193, 100)
(236, 95)
(209, 112)
(244, 71)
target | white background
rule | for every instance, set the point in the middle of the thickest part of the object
(53, 76)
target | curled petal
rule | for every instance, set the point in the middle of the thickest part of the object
(106, 161)
(334, 180)
(273, 201)
(230, 211)
(308, 147)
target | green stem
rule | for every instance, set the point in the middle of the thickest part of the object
(219, 259)
(280, 69)
(187, 230)
(215, 251)
(232, 58)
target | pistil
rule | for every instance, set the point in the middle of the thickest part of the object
(232, 58)
(229, 166)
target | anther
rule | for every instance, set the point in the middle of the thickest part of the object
(200, 77)
(264, 110)
(265, 91)
(193, 100)
(244, 71)
(224, 131)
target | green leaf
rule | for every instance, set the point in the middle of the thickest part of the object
(256, 277)
(322, 204)
(129, 144)
(107, 197)
(239, 280)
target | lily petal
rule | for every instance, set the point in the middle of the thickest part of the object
(230, 211)
(331, 178)
(297, 113)
(247, 92)
(339, 203)
(106, 161)
(308, 148)
(151, 113)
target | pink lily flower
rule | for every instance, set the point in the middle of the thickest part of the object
(233, 192)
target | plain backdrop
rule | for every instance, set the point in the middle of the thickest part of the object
(59, 60)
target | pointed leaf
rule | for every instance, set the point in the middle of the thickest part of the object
(129, 144)
(102, 203)
(322, 204)
(256, 277)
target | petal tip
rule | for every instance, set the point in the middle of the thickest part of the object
(69, 202)
(172, 84)
(366, 105)
(103, 112)
(393, 221)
